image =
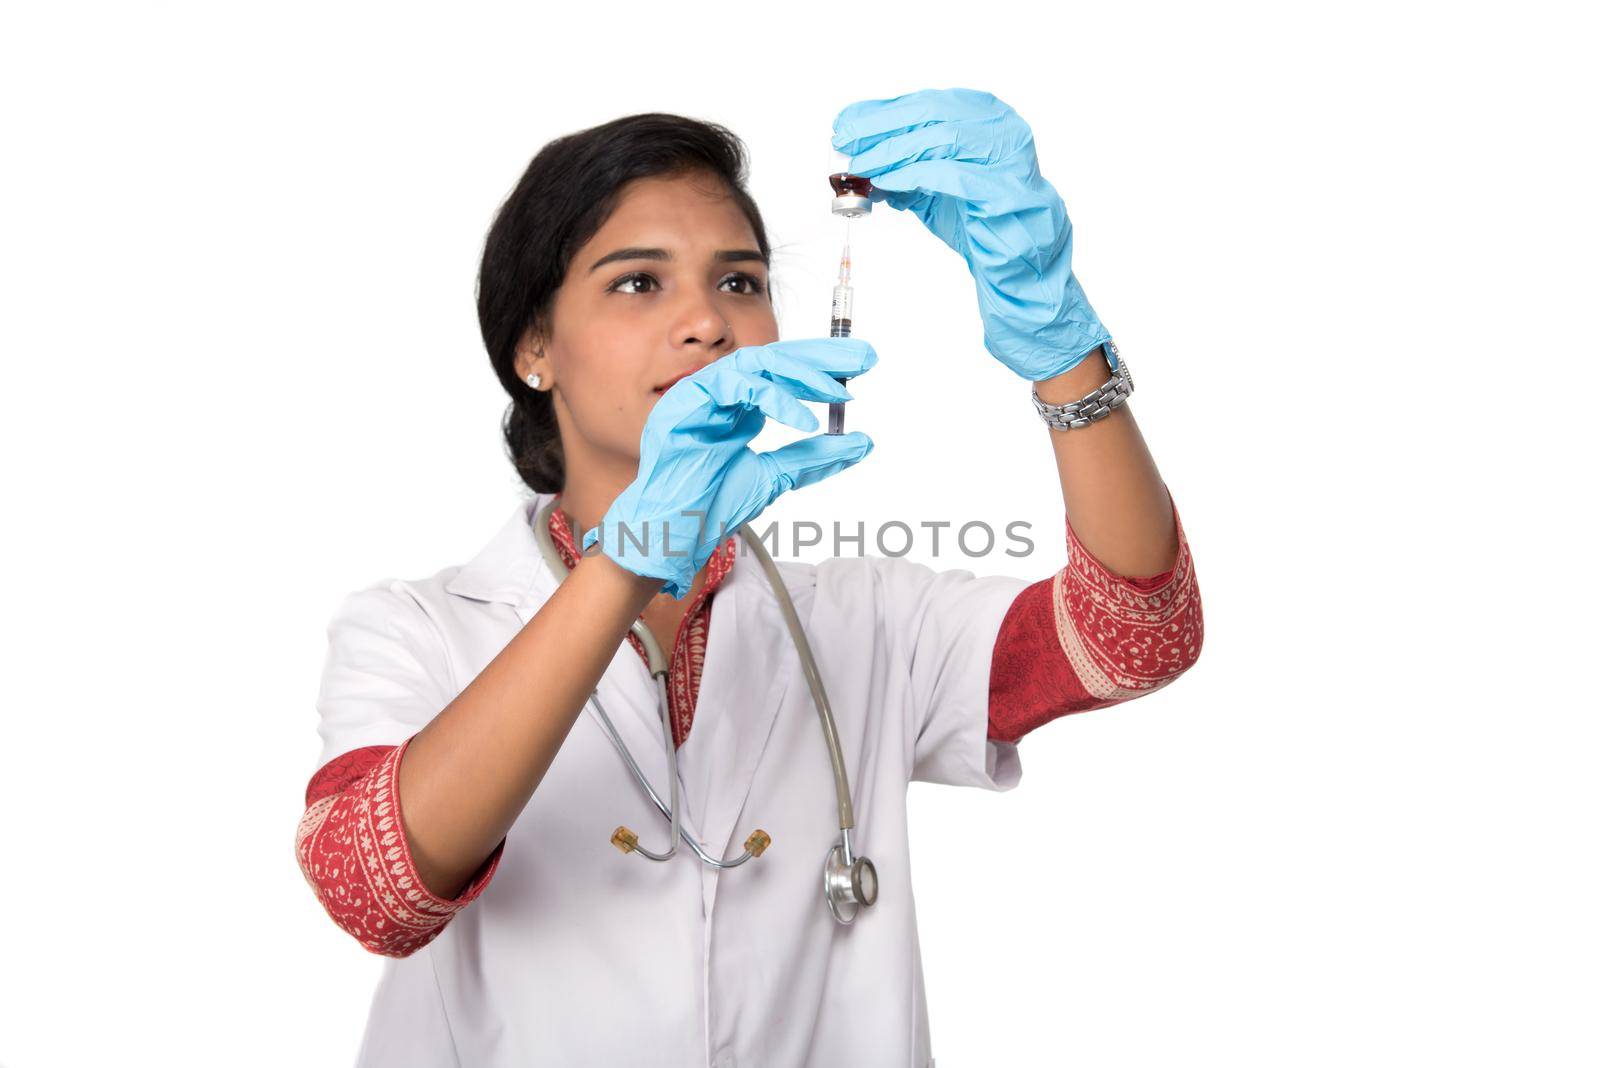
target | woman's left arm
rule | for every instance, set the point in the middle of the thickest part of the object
(1122, 618)
(963, 162)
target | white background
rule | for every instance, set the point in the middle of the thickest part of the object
(1348, 251)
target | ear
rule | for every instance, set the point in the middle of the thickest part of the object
(530, 355)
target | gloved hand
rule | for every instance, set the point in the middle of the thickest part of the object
(964, 163)
(698, 477)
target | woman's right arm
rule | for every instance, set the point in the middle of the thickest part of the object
(460, 782)
(469, 773)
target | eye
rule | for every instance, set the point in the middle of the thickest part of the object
(756, 288)
(616, 287)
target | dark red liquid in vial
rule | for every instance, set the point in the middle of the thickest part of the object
(850, 185)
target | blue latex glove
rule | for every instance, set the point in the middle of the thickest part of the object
(698, 477)
(963, 162)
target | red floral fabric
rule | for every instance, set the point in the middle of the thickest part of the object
(352, 850)
(1087, 637)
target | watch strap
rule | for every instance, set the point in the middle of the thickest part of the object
(1094, 405)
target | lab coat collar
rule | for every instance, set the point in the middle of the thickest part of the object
(509, 569)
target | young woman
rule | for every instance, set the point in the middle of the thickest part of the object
(624, 303)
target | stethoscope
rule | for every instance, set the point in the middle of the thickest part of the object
(849, 882)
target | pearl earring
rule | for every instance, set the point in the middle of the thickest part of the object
(534, 380)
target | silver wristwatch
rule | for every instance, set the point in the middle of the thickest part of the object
(1092, 406)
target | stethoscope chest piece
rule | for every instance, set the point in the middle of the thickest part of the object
(848, 886)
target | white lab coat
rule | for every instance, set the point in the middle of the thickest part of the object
(577, 954)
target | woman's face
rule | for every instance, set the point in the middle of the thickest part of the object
(670, 282)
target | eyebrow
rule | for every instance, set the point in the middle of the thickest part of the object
(727, 255)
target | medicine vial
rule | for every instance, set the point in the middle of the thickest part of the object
(850, 195)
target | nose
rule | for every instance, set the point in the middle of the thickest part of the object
(701, 322)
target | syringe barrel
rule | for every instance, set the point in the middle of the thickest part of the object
(842, 300)
(839, 326)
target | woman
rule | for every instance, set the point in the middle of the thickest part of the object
(624, 304)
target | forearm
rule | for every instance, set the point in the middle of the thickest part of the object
(469, 773)
(1115, 498)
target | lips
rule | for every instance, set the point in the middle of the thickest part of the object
(669, 383)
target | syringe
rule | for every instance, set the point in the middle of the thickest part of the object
(840, 327)
(852, 198)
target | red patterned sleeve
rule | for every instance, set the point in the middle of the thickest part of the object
(353, 851)
(1087, 637)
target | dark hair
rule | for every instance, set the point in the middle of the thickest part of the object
(568, 191)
